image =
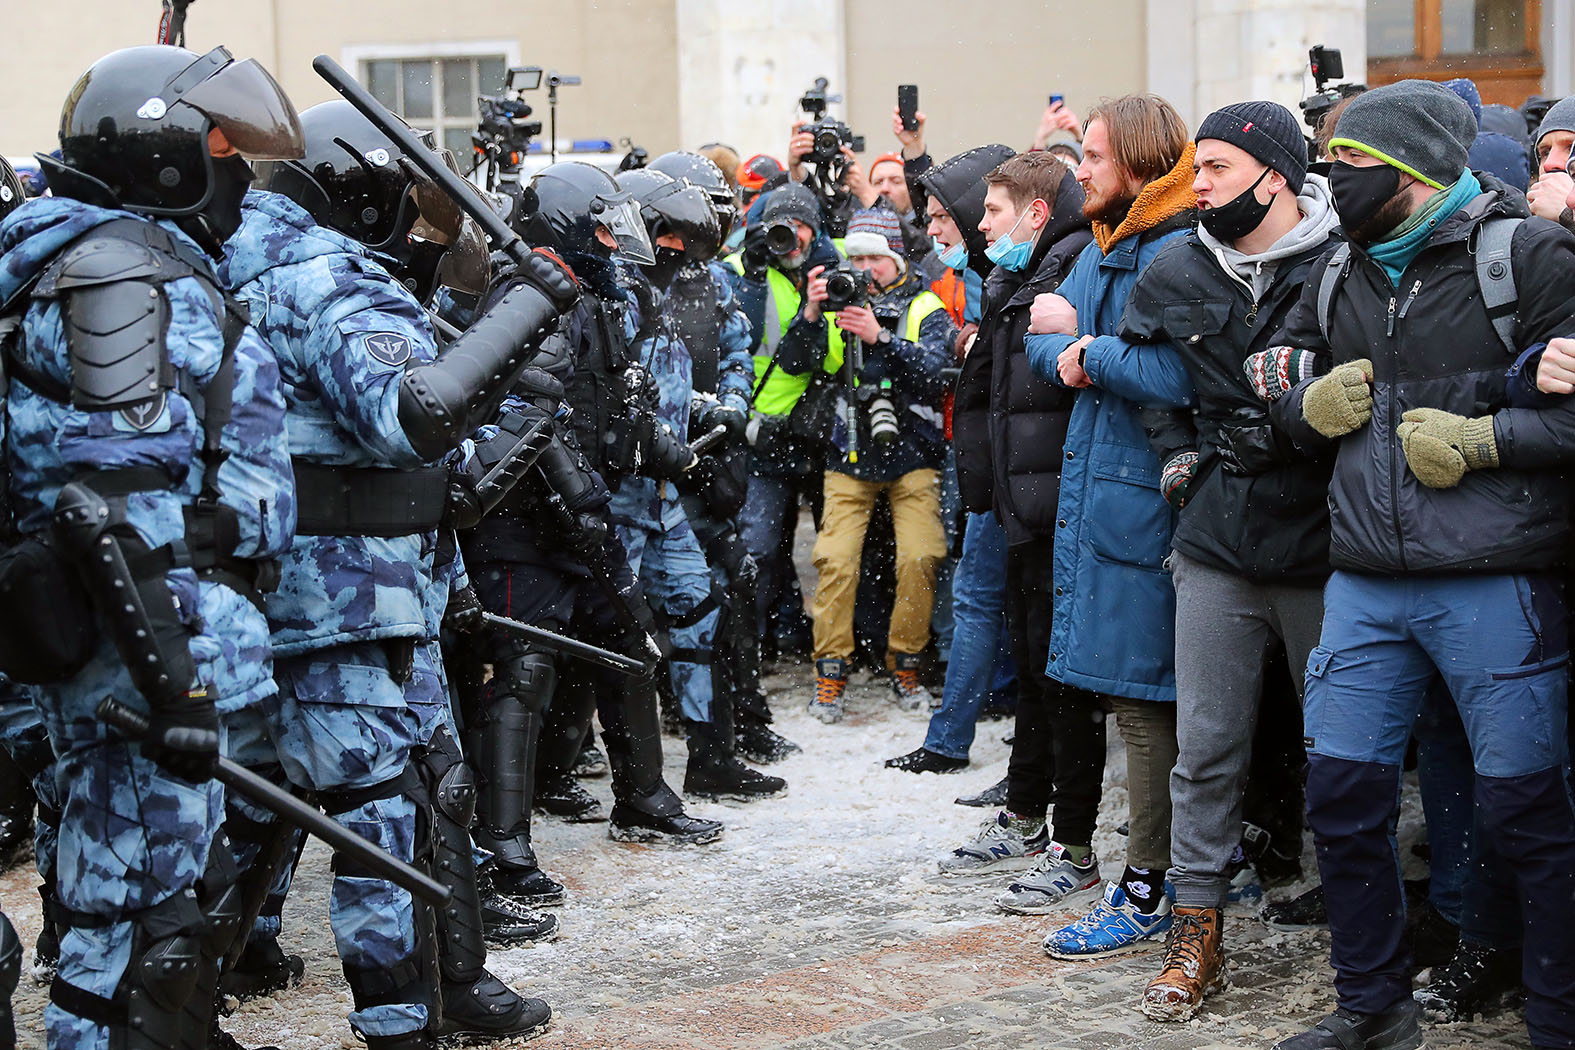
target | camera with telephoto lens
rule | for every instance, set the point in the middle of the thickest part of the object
(846, 286)
(880, 412)
(782, 237)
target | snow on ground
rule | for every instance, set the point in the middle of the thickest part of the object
(817, 921)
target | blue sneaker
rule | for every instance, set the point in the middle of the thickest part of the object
(1112, 926)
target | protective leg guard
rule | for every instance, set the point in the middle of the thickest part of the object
(474, 1001)
(16, 812)
(567, 724)
(503, 745)
(10, 974)
(253, 964)
(644, 809)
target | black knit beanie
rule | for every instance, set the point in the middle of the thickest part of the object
(1268, 131)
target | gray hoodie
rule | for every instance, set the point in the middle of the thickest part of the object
(1257, 271)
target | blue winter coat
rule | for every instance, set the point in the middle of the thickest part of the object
(343, 331)
(1113, 629)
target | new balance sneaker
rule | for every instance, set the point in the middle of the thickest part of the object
(905, 682)
(1052, 884)
(1244, 885)
(999, 845)
(1112, 926)
(831, 678)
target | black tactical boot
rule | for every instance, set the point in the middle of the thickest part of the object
(924, 760)
(219, 1039)
(562, 796)
(1477, 979)
(528, 887)
(659, 817)
(591, 763)
(992, 797)
(714, 769)
(487, 1009)
(262, 969)
(758, 742)
(1394, 1029)
(508, 923)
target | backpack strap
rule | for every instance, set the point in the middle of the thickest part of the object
(1328, 283)
(1496, 276)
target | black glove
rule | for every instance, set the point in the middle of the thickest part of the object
(464, 610)
(183, 737)
(1249, 444)
(755, 254)
(666, 457)
(716, 414)
(542, 270)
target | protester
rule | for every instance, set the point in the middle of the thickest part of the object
(1549, 194)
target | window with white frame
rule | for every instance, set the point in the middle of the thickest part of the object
(436, 91)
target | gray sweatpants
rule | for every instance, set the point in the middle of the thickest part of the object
(1224, 625)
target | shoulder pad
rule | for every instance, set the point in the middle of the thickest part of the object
(115, 339)
(101, 260)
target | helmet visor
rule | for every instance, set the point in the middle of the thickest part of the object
(466, 265)
(622, 220)
(249, 106)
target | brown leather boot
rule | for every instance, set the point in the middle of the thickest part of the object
(1194, 965)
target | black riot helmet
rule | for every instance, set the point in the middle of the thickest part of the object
(672, 207)
(703, 172)
(566, 202)
(135, 131)
(12, 192)
(354, 179)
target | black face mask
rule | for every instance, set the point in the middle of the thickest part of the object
(1239, 216)
(232, 177)
(418, 269)
(1360, 193)
(668, 261)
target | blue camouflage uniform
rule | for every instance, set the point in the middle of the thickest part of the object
(351, 617)
(132, 836)
(663, 550)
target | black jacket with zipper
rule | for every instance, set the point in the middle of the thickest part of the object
(1433, 346)
(1008, 425)
(1273, 522)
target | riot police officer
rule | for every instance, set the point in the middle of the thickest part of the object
(547, 555)
(362, 715)
(706, 315)
(148, 458)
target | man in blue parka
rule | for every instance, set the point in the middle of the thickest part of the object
(145, 441)
(1114, 633)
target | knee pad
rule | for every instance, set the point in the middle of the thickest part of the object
(530, 676)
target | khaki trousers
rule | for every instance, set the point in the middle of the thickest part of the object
(921, 543)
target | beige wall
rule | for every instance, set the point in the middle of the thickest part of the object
(984, 77)
(624, 50)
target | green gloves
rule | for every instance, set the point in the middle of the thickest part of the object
(1341, 401)
(1441, 446)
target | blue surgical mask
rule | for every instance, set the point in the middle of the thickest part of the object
(1008, 253)
(955, 257)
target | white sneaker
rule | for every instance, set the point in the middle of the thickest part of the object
(996, 847)
(1052, 884)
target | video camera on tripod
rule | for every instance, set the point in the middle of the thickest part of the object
(827, 162)
(1326, 64)
(504, 132)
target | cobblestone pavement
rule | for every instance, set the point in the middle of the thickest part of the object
(817, 923)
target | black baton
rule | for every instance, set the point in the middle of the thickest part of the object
(293, 811)
(558, 643)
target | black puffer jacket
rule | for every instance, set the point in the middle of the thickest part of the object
(1272, 523)
(1432, 346)
(1016, 469)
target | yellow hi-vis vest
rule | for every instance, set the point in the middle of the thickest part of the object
(919, 307)
(781, 390)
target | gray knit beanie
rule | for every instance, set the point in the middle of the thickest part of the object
(1418, 126)
(1560, 117)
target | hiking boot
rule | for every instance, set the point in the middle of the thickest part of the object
(562, 796)
(1194, 965)
(262, 969)
(926, 761)
(1394, 1029)
(1476, 979)
(992, 797)
(758, 742)
(906, 683)
(1305, 912)
(831, 678)
(1112, 926)
(1052, 884)
(1002, 843)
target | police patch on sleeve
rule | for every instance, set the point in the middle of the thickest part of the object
(143, 416)
(389, 348)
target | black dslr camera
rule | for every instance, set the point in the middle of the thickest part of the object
(846, 286)
(830, 134)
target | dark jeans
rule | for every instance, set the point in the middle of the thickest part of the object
(1059, 751)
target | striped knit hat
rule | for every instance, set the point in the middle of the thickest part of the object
(875, 231)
